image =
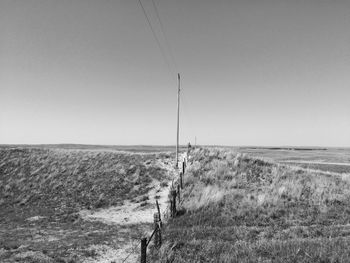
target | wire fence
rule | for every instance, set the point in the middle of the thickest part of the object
(132, 252)
(169, 212)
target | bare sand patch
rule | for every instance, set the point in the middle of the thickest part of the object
(129, 214)
(132, 213)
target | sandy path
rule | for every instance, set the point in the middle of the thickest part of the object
(132, 213)
(129, 214)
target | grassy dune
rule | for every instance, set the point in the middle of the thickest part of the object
(42, 191)
(243, 209)
(75, 179)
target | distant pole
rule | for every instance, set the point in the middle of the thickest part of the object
(195, 142)
(178, 118)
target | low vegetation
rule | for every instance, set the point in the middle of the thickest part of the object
(239, 208)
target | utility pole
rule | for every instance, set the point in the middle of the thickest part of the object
(178, 118)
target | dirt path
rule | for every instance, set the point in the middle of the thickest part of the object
(129, 214)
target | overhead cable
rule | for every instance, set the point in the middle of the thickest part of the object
(157, 40)
(164, 35)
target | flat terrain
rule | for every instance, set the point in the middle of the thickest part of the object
(324, 159)
(126, 148)
(240, 208)
(57, 203)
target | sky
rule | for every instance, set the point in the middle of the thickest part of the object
(253, 72)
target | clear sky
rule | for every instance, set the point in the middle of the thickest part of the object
(254, 72)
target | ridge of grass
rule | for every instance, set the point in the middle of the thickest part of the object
(244, 209)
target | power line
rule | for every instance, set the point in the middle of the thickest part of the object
(164, 35)
(157, 40)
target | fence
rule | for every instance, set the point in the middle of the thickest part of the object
(175, 195)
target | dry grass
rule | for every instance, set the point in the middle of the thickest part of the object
(244, 209)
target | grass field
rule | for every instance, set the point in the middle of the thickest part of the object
(42, 191)
(262, 205)
(333, 155)
(240, 208)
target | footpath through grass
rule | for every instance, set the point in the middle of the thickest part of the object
(243, 209)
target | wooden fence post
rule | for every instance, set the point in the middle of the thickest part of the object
(181, 183)
(183, 167)
(178, 192)
(157, 234)
(143, 249)
(158, 209)
(173, 206)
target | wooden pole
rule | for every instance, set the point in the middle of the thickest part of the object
(171, 206)
(157, 234)
(173, 195)
(143, 249)
(158, 209)
(178, 192)
(183, 167)
(178, 118)
(181, 183)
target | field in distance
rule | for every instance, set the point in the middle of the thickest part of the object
(318, 158)
(127, 148)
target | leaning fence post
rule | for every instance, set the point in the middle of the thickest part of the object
(143, 249)
(158, 209)
(157, 234)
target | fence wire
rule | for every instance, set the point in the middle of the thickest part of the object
(132, 251)
(165, 216)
